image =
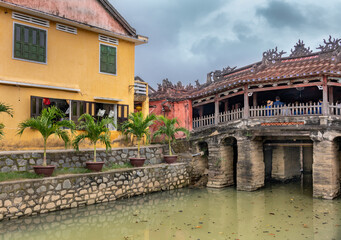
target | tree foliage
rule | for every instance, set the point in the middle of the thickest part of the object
(4, 108)
(47, 123)
(138, 126)
(94, 131)
(169, 127)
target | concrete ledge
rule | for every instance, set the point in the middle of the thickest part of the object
(31, 197)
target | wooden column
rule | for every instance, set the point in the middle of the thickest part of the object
(216, 110)
(246, 102)
(226, 105)
(201, 110)
(255, 99)
(331, 94)
(325, 96)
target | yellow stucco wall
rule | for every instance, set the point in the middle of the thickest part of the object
(73, 62)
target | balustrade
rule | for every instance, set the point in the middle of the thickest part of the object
(302, 109)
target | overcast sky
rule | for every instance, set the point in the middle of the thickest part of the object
(189, 38)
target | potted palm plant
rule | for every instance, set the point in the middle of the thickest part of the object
(138, 126)
(94, 131)
(6, 109)
(169, 128)
(47, 123)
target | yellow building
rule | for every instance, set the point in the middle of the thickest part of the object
(76, 54)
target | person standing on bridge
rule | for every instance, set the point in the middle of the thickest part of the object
(278, 104)
(268, 105)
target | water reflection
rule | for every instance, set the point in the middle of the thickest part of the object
(280, 211)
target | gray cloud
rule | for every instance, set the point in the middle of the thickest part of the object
(190, 38)
(282, 14)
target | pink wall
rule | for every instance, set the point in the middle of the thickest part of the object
(89, 12)
(182, 110)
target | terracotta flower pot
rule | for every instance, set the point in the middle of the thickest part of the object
(137, 162)
(170, 158)
(94, 166)
(46, 171)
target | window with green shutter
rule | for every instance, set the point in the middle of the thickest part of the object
(29, 43)
(107, 59)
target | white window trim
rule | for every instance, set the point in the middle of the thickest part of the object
(41, 23)
(115, 117)
(103, 38)
(65, 28)
(13, 40)
(99, 59)
(23, 84)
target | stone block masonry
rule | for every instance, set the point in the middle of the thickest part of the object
(250, 166)
(30, 197)
(24, 160)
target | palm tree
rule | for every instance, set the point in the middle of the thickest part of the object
(169, 129)
(6, 109)
(138, 126)
(94, 131)
(47, 124)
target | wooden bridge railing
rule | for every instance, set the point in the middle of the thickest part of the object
(286, 110)
(302, 109)
(223, 117)
(232, 115)
(203, 121)
(335, 109)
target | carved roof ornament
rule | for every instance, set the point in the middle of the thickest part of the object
(159, 87)
(271, 56)
(189, 87)
(218, 74)
(209, 77)
(168, 86)
(300, 50)
(331, 45)
(197, 83)
(228, 69)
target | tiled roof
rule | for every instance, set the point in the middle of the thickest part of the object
(301, 64)
(169, 94)
(285, 69)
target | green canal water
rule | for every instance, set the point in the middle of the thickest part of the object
(278, 211)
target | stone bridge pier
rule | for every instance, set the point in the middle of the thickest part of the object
(222, 163)
(235, 161)
(250, 165)
(326, 168)
(245, 160)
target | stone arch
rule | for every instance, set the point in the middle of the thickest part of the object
(200, 163)
(203, 147)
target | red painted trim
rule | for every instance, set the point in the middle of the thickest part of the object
(203, 103)
(285, 87)
(334, 84)
(231, 95)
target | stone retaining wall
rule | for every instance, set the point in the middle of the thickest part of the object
(24, 160)
(107, 214)
(30, 197)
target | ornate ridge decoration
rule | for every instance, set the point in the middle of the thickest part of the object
(218, 74)
(331, 45)
(272, 55)
(300, 50)
(166, 84)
